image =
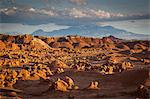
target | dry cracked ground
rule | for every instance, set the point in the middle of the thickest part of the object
(73, 67)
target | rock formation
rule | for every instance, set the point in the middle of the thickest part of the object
(61, 85)
(93, 85)
(70, 82)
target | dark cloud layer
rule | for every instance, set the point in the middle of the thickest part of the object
(66, 12)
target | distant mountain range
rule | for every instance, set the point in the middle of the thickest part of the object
(92, 30)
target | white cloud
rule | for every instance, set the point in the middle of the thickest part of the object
(117, 15)
(100, 13)
(32, 10)
(79, 2)
(50, 12)
(47, 12)
(8, 11)
(68, 12)
(104, 14)
(15, 8)
(76, 13)
(90, 13)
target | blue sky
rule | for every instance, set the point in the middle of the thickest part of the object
(65, 13)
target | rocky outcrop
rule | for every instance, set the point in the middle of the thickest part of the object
(2, 45)
(127, 65)
(61, 85)
(70, 82)
(27, 39)
(142, 92)
(64, 85)
(58, 64)
(61, 45)
(93, 85)
(37, 44)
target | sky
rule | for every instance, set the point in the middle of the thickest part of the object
(29, 15)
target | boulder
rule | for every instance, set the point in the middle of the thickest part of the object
(93, 85)
(61, 45)
(70, 82)
(139, 46)
(11, 39)
(58, 64)
(14, 74)
(109, 70)
(142, 92)
(38, 44)
(27, 38)
(2, 83)
(49, 40)
(146, 61)
(2, 45)
(34, 76)
(41, 74)
(127, 65)
(24, 74)
(59, 70)
(61, 85)
(2, 76)
(48, 72)
(107, 40)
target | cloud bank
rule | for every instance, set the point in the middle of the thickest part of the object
(67, 16)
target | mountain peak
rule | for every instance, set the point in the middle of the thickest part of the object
(38, 32)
